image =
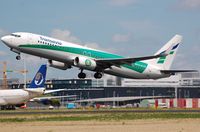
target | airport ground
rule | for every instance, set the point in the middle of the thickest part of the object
(150, 125)
(88, 121)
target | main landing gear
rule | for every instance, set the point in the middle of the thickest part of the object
(7, 107)
(98, 75)
(81, 75)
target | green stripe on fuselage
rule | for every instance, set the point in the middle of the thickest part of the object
(137, 66)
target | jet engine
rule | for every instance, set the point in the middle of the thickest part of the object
(85, 63)
(59, 65)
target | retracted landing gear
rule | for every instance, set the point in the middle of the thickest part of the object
(81, 75)
(98, 75)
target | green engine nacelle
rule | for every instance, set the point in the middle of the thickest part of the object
(85, 63)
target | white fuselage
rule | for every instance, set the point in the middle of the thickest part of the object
(18, 96)
(66, 52)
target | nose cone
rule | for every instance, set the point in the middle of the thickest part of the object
(4, 39)
(7, 40)
(10, 41)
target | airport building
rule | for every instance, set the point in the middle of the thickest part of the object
(185, 85)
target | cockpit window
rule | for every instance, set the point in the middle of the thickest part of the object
(15, 35)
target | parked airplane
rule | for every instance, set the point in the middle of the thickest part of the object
(64, 55)
(18, 97)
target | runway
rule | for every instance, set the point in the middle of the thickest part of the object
(61, 112)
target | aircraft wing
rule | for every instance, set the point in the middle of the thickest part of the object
(176, 71)
(52, 97)
(52, 91)
(117, 62)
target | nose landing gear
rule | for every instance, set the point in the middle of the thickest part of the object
(18, 57)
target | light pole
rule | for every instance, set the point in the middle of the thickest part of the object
(24, 72)
(114, 98)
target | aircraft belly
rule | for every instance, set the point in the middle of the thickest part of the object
(2, 102)
(124, 72)
(49, 54)
(14, 100)
(17, 97)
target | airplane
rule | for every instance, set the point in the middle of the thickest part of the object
(18, 97)
(64, 55)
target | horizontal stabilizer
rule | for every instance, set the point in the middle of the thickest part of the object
(53, 91)
(176, 71)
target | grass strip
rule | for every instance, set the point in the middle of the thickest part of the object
(104, 117)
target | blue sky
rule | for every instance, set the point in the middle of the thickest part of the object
(126, 27)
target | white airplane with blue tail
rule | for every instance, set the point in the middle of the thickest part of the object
(9, 98)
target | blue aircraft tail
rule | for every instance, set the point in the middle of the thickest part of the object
(40, 77)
